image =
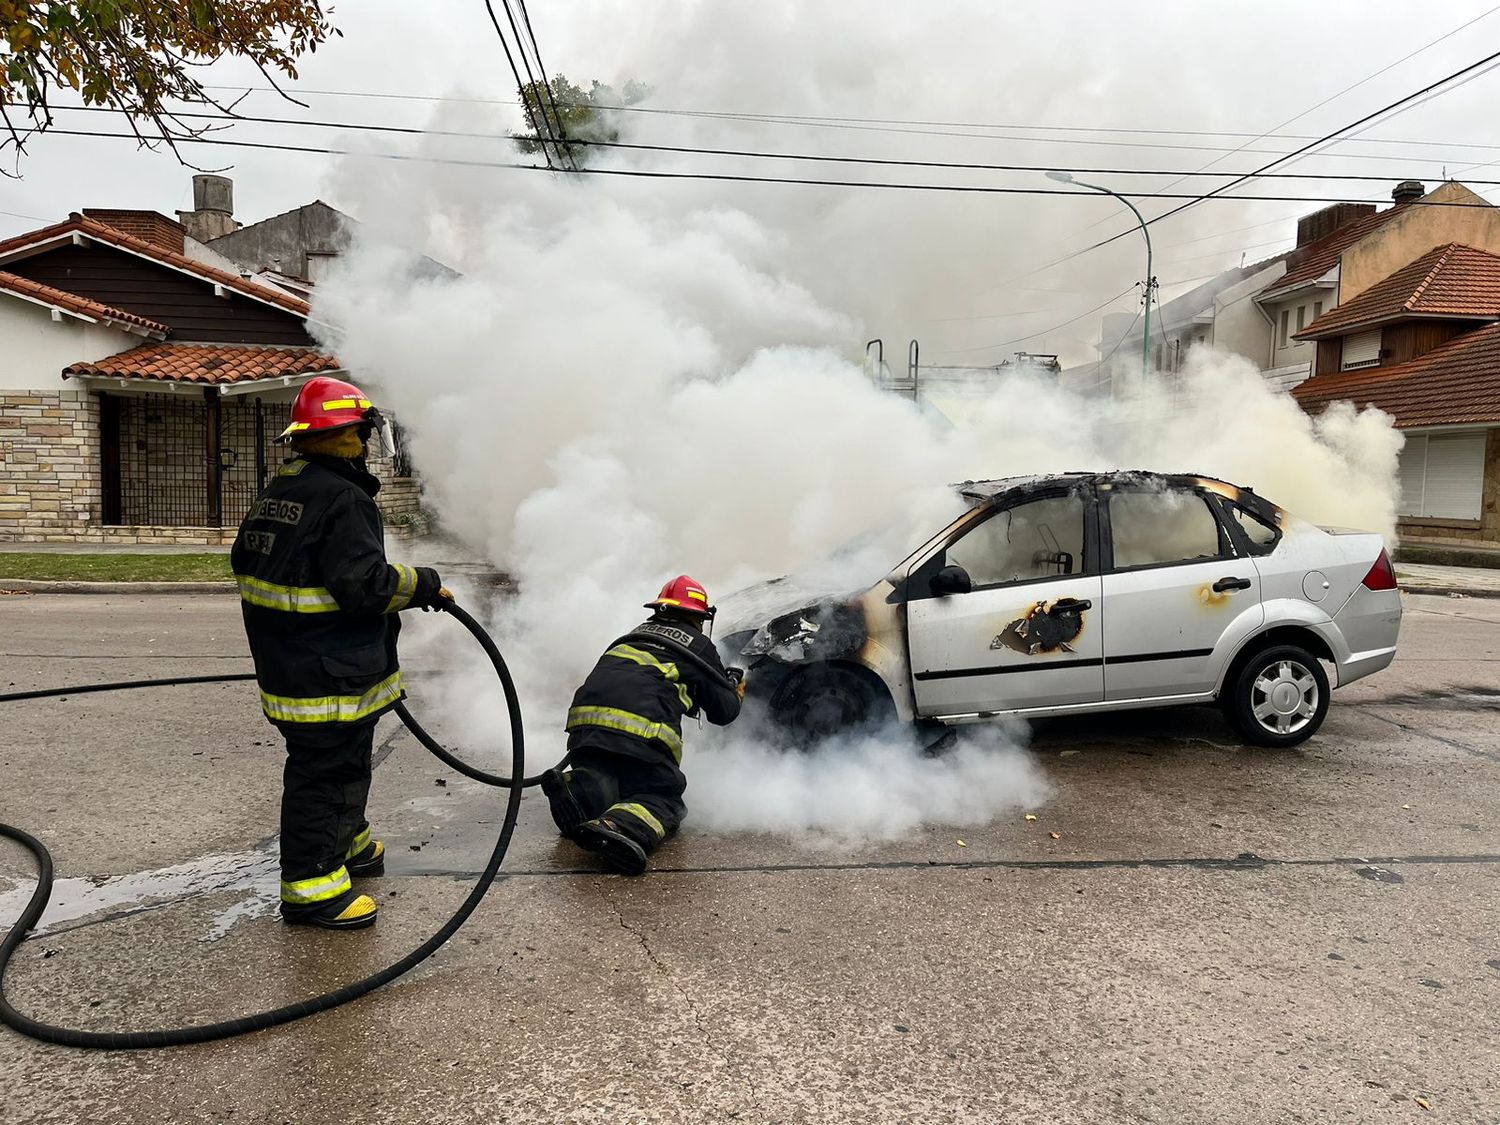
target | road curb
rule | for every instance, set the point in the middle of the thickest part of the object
(41, 586)
(1450, 591)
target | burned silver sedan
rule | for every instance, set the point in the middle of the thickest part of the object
(1085, 592)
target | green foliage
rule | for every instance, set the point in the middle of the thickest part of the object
(578, 115)
(140, 56)
(115, 567)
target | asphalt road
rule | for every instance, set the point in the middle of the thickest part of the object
(1217, 934)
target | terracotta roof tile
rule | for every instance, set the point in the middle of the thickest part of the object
(79, 224)
(1448, 281)
(61, 298)
(1455, 384)
(1310, 262)
(207, 363)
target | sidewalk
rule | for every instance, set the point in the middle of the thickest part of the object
(1469, 581)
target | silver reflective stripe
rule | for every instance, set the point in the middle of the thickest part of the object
(612, 718)
(288, 599)
(406, 586)
(332, 708)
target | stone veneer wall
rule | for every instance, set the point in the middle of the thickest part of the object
(50, 487)
(1488, 531)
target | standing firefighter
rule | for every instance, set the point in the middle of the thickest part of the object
(622, 793)
(320, 605)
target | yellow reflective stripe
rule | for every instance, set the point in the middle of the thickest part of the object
(346, 404)
(641, 656)
(332, 708)
(288, 599)
(406, 588)
(669, 670)
(302, 892)
(641, 813)
(361, 842)
(612, 718)
(295, 426)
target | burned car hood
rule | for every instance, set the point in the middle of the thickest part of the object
(748, 609)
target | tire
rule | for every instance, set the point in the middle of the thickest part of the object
(827, 700)
(1277, 697)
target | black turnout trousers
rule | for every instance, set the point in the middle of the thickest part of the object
(324, 788)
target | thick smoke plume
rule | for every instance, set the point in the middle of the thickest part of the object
(631, 381)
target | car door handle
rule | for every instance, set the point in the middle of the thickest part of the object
(1225, 584)
(1073, 605)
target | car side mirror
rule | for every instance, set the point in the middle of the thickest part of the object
(952, 579)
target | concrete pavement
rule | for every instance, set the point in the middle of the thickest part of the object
(1218, 933)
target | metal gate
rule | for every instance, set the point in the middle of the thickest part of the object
(171, 460)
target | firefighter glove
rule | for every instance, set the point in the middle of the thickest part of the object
(431, 593)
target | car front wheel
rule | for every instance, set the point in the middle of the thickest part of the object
(826, 700)
(1279, 697)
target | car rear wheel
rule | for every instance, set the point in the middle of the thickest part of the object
(1279, 697)
(826, 700)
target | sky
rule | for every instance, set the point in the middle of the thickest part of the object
(1168, 88)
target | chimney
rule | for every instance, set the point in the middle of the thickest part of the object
(148, 226)
(1407, 190)
(212, 215)
(1320, 224)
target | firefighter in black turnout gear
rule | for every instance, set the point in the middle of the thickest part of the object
(621, 793)
(320, 604)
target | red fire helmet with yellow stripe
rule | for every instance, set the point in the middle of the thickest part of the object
(327, 404)
(685, 594)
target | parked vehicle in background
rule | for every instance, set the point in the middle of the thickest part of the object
(1080, 593)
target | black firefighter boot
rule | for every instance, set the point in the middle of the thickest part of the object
(619, 839)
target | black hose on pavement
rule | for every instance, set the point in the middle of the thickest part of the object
(172, 1037)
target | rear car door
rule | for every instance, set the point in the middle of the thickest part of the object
(1178, 596)
(1028, 633)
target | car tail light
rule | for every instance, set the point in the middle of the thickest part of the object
(1382, 575)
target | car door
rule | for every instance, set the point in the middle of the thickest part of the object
(1178, 596)
(1027, 633)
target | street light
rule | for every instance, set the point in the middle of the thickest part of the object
(1067, 178)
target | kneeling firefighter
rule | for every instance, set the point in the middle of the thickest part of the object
(621, 794)
(320, 603)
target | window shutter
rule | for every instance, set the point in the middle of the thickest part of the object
(1455, 475)
(1362, 349)
(1410, 473)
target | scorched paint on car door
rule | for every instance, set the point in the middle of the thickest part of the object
(1026, 632)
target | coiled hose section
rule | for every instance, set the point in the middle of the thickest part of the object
(203, 1033)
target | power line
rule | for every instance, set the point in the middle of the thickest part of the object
(1215, 194)
(547, 85)
(530, 116)
(727, 177)
(794, 119)
(951, 165)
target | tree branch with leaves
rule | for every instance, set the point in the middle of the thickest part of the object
(565, 117)
(142, 57)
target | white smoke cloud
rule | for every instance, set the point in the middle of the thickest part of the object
(631, 381)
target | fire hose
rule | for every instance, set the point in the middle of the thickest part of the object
(202, 1033)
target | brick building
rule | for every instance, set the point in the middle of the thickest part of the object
(143, 384)
(1423, 344)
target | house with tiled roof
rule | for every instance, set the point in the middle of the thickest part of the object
(144, 382)
(1423, 344)
(1344, 249)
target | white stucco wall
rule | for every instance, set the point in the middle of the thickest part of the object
(1239, 327)
(34, 348)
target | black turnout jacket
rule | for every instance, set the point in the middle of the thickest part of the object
(318, 597)
(634, 700)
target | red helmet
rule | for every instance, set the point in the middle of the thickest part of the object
(685, 594)
(328, 404)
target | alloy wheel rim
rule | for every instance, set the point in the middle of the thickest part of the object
(1284, 697)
